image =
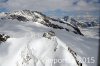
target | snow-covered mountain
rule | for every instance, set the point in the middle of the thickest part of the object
(27, 15)
(82, 22)
(30, 38)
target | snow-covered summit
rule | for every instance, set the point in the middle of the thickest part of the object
(38, 40)
(29, 15)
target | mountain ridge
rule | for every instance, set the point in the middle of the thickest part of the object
(35, 16)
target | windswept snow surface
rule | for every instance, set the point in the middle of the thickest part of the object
(92, 32)
(27, 47)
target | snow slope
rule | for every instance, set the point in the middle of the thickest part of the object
(27, 46)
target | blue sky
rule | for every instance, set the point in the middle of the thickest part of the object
(53, 7)
(3, 9)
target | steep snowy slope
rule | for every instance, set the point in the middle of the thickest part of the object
(29, 46)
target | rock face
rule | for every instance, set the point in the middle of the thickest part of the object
(18, 17)
(49, 34)
(75, 56)
(3, 38)
(66, 18)
(35, 16)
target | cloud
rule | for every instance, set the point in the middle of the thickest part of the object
(46, 5)
(88, 5)
(40, 5)
(3, 1)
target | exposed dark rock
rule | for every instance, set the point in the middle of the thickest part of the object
(66, 29)
(65, 18)
(49, 24)
(55, 49)
(2, 18)
(75, 56)
(18, 17)
(3, 37)
(78, 31)
(49, 34)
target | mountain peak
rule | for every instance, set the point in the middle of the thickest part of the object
(35, 16)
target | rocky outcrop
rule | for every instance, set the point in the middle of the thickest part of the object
(19, 18)
(3, 38)
(49, 34)
(75, 56)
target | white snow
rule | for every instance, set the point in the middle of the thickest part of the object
(27, 47)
